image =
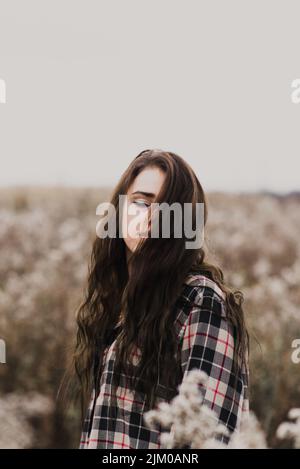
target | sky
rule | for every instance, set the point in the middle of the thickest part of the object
(89, 84)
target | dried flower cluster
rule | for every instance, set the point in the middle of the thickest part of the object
(291, 430)
(193, 425)
(191, 422)
(16, 412)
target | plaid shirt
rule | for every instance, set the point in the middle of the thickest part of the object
(207, 342)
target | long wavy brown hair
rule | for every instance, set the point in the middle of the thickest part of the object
(159, 267)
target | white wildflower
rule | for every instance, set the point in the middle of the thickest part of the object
(250, 434)
(191, 422)
(291, 429)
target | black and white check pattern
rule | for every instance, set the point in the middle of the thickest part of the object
(207, 341)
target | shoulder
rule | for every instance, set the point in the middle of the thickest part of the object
(202, 282)
(201, 292)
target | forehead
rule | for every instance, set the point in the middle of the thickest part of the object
(149, 180)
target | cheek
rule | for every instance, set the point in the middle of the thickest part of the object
(129, 240)
(134, 227)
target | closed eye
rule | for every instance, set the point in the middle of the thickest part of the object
(141, 203)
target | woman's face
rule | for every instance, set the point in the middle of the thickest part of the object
(136, 209)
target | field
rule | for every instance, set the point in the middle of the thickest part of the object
(45, 242)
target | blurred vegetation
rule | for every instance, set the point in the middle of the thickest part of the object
(45, 242)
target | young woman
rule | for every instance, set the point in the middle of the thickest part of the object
(153, 311)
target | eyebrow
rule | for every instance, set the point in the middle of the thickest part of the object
(146, 194)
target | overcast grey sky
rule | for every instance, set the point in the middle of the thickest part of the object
(89, 84)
